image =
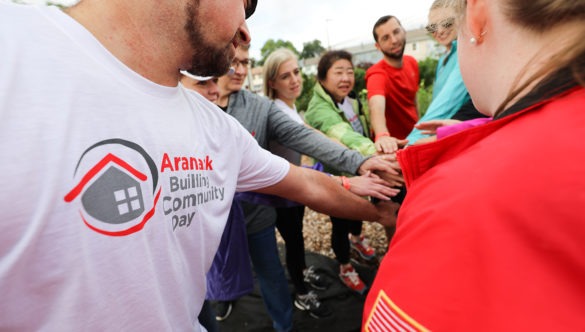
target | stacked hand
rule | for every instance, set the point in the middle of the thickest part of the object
(386, 171)
(387, 211)
(386, 167)
(372, 185)
(430, 127)
(389, 144)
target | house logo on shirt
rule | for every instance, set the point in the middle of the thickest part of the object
(116, 182)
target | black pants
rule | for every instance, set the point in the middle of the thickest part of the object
(339, 237)
(207, 317)
(289, 222)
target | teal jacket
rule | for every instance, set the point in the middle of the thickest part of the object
(449, 92)
(324, 115)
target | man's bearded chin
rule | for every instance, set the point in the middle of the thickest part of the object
(211, 63)
(207, 59)
(396, 56)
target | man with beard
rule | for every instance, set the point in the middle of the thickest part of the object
(117, 181)
(392, 85)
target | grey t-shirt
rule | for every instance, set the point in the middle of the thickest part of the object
(262, 118)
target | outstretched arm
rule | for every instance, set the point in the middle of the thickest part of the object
(323, 194)
(430, 127)
(383, 140)
(368, 184)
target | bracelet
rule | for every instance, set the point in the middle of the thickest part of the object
(380, 135)
(345, 182)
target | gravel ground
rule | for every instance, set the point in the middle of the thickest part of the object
(317, 234)
(317, 231)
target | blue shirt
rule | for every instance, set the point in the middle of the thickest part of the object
(449, 92)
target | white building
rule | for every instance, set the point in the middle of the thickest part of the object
(419, 44)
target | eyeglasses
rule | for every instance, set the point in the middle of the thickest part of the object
(445, 24)
(236, 63)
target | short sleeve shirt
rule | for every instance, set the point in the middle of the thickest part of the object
(399, 87)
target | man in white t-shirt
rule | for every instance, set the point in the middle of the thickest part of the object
(116, 180)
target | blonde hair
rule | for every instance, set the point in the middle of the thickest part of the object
(271, 66)
(539, 16)
(442, 4)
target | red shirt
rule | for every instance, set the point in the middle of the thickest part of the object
(491, 236)
(399, 86)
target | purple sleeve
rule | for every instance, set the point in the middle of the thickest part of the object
(452, 129)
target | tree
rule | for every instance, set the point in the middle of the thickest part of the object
(360, 80)
(312, 49)
(271, 45)
(50, 3)
(309, 82)
(427, 68)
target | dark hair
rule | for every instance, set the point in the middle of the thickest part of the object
(327, 61)
(381, 21)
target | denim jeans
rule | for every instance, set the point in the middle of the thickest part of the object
(271, 277)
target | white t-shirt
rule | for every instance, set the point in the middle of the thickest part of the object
(291, 112)
(114, 191)
(347, 107)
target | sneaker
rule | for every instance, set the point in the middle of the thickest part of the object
(362, 247)
(313, 279)
(310, 303)
(223, 309)
(352, 280)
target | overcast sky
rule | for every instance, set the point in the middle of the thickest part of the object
(337, 23)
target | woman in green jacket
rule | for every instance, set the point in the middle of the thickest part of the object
(341, 117)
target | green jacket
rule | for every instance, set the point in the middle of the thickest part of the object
(324, 115)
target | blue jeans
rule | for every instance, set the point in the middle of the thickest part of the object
(271, 277)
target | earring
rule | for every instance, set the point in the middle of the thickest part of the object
(473, 40)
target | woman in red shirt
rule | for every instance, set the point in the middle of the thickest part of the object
(490, 236)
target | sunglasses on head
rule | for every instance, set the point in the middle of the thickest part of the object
(445, 24)
(251, 8)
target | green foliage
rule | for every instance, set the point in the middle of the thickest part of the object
(271, 45)
(302, 102)
(49, 3)
(423, 99)
(312, 49)
(360, 80)
(427, 68)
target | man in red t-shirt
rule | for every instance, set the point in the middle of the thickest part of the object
(392, 85)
